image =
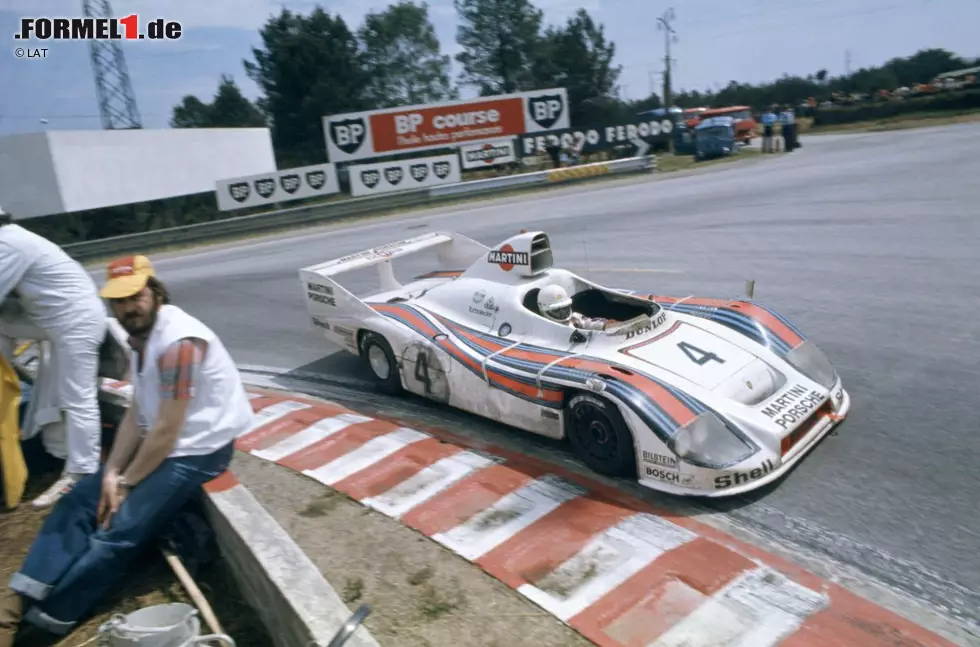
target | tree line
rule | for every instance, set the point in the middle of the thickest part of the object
(309, 66)
(313, 65)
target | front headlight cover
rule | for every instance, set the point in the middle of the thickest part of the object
(708, 442)
(811, 361)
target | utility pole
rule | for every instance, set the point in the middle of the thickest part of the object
(847, 62)
(663, 24)
(117, 102)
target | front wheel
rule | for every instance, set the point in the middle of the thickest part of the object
(600, 437)
(381, 360)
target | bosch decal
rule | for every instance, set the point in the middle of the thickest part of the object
(663, 475)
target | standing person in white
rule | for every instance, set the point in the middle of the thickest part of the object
(56, 300)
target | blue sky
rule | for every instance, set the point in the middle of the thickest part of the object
(719, 40)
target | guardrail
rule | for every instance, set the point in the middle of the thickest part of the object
(309, 214)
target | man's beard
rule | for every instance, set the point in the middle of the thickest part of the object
(139, 324)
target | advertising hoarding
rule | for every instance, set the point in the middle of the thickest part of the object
(277, 186)
(377, 133)
(487, 154)
(597, 138)
(402, 175)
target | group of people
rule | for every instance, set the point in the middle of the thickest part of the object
(786, 118)
(188, 406)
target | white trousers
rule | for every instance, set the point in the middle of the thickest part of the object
(75, 367)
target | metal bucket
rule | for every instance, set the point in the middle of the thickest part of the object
(162, 625)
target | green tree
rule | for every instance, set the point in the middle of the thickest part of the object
(228, 109)
(402, 58)
(308, 67)
(578, 57)
(501, 40)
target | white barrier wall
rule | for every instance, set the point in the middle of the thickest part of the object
(402, 175)
(62, 171)
(277, 186)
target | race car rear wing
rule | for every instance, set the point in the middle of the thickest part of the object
(324, 295)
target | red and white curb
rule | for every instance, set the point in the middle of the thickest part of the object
(613, 567)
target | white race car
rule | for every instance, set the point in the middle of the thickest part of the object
(697, 396)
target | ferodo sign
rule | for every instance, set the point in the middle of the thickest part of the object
(376, 133)
(276, 186)
(476, 156)
(590, 140)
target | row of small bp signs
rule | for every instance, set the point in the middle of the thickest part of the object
(423, 172)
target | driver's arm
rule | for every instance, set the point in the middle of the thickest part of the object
(586, 323)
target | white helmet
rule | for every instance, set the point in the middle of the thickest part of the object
(554, 303)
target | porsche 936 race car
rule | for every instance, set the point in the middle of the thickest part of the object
(691, 396)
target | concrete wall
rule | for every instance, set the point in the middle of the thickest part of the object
(28, 185)
(75, 170)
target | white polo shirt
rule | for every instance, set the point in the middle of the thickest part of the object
(219, 411)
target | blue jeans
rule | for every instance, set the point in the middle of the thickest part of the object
(73, 562)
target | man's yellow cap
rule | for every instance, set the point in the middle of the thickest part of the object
(127, 276)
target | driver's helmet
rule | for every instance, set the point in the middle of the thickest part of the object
(554, 303)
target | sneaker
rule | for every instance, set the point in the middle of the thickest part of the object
(60, 488)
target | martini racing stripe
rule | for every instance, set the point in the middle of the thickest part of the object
(520, 386)
(747, 317)
(663, 408)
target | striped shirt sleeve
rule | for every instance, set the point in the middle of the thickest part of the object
(179, 366)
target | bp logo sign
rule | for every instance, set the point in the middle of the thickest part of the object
(546, 109)
(394, 174)
(348, 134)
(265, 187)
(370, 178)
(289, 183)
(316, 179)
(419, 172)
(239, 191)
(442, 169)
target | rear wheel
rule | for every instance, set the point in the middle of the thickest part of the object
(381, 360)
(600, 437)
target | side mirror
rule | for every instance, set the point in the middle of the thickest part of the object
(578, 338)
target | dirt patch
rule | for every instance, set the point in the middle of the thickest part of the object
(155, 582)
(671, 163)
(423, 595)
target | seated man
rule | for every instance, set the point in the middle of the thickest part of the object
(188, 406)
(554, 303)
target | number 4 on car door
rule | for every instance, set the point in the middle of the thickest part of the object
(698, 356)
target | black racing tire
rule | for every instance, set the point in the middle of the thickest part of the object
(374, 349)
(599, 436)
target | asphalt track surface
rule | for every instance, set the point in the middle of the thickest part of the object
(869, 243)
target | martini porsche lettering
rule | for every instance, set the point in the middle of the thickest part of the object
(320, 294)
(741, 478)
(508, 258)
(794, 405)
